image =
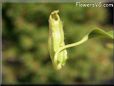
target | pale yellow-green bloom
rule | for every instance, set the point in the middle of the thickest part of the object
(56, 40)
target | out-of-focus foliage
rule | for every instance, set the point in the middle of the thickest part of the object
(25, 53)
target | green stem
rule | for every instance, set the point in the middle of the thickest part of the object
(85, 38)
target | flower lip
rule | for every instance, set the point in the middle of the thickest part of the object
(54, 15)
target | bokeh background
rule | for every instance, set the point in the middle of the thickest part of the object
(25, 50)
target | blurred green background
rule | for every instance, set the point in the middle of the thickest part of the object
(25, 50)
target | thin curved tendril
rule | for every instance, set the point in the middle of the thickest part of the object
(85, 38)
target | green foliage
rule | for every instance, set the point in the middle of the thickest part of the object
(25, 49)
